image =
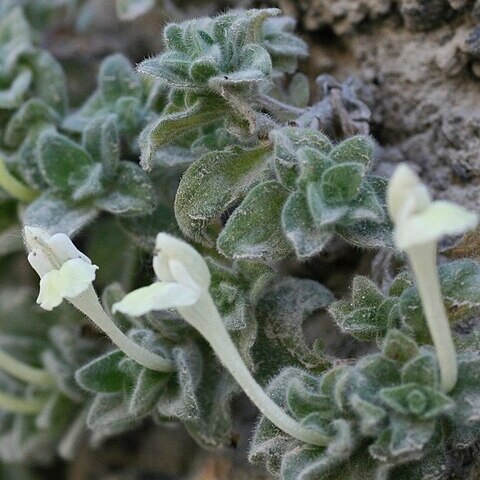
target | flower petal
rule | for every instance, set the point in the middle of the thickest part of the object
(72, 279)
(158, 296)
(50, 295)
(406, 194)
(439, 219)
(64, 249)
(76, 276)
(40, 262)
(170, 248)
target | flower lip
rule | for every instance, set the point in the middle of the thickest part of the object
(406, 194)
(419, 220)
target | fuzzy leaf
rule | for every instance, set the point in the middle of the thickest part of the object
(300, 229)
(212, 185)
(117, 79)
(169, 127)
(253, 231)
(354, 149)
(62, 161)
(341, 183)
(102, 375)
(281, 312)
(398, 347)
(412, 399)
(131, 194)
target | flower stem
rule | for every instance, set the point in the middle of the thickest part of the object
(13, 186)
(205, 318)
(20, 405)
(24, 372)
(87, 302)
(423, 262)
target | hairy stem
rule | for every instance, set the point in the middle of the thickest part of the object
(423, 261)
(24, 372)
(13, 186)
(87, 302)
(205, 318)
(20, 405)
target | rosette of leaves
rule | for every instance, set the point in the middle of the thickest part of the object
(120, 92)
(294, 198)
(217, 70)
(25, 70)
(38, 340)
(85, 179)
(370, 313)
(382, 413)
(197, 393)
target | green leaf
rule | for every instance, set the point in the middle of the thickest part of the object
(357, 149)
(170, 67)
(131, 194)
(203, 69)
(281, 312)
(365, 293)
(13, 96)
(49, 81)
(370, 415)
(404, 442)
(173, 37)
(287, 141)
(420, 401)
(102, 375)
(148, 385)
(422, 370)
(341, 183)
(62, 161)
(299, 228)
(108, 414)
(117, 79)
(254, 229)
(398, 347)
(303, 401)
(171, 126)
(364, 324)
(88, 183)
(33, 111)
(212, 185)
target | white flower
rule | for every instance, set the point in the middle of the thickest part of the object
(419, 224)
(184, 280)
(64, 271)
(419, 220)
(183, 276)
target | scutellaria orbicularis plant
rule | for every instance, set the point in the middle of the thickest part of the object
(236, 158)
